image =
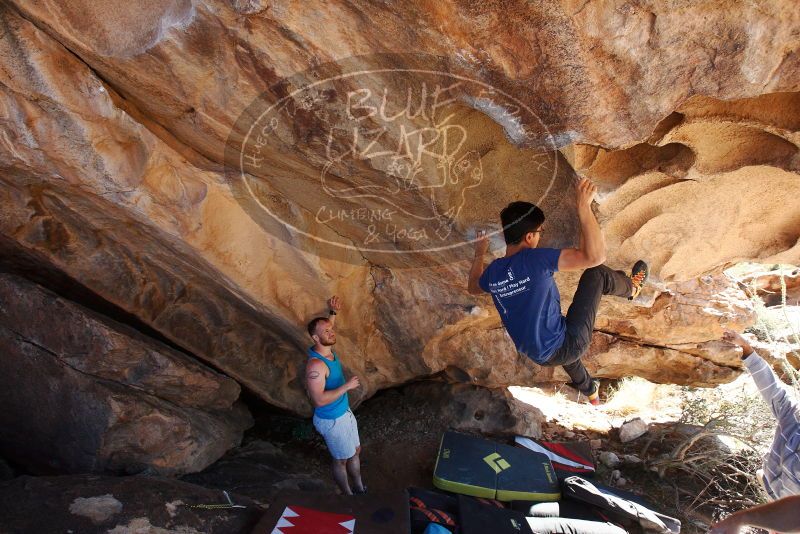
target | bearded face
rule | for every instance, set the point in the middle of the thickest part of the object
(325, 334)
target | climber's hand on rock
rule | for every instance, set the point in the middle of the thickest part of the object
(585, 193)
(334, 304)
(481, 244)
(353, 383)
(737, 339)
(729, 336)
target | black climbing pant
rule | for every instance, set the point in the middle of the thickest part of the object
(594, 282)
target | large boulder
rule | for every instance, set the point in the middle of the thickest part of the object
(600, 73)
(118, 120)
(83, 393)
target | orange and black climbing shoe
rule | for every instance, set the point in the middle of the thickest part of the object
(594, 396)
(639, 275)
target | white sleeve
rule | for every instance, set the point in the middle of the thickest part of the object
(776, 394)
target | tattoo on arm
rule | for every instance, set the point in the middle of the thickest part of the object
(313, 375)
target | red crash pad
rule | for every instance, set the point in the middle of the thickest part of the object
(379, 513)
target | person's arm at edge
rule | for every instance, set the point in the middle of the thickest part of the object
(475, 272)
(780, 516)
(315, 384)
(775, 393)
(592, 247)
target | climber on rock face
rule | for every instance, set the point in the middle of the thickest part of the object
(328, 389)
(526, 296)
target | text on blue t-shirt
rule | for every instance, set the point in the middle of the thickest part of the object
(527, 298)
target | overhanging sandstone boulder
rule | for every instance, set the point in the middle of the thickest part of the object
(86, 394)
(112, 164)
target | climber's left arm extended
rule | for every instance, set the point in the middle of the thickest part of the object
(475, 272)
(334, 306)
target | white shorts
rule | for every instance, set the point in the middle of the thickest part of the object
(341, 434)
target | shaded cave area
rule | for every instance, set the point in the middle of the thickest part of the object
(400, 428)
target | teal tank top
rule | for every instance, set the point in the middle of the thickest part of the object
(335, 379)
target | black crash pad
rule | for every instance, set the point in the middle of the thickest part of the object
(429, 506)
(313, 513)
(567, 508)
(580, 489)
(484, 468)
(477, 518)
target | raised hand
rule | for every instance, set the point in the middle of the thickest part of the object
(481, 244)
(334, 304)
(585, 193)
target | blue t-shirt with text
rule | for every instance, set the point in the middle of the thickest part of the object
(527, 298)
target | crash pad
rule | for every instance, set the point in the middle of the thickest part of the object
(581, 489)
(308, 521)
(569, 458)
(478, 518)
(475, 517)
(314, 513)
(482, 468)
(562, 525)
(427, 506)
(566, 508)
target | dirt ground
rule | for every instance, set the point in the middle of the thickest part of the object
(400, 436)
